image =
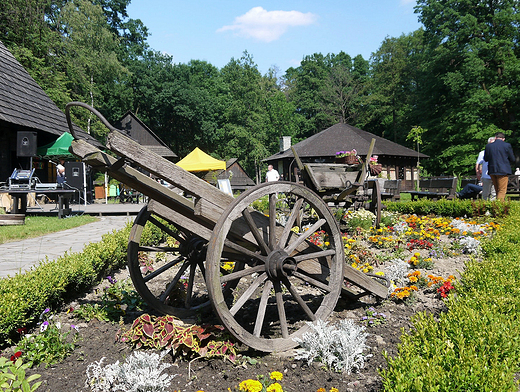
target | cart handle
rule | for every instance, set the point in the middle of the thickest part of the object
(84, 105)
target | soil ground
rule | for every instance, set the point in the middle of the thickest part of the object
(98, 340)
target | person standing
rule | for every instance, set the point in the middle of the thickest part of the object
(272, 174)
(481, 168)
(60, 172)
(500, 157)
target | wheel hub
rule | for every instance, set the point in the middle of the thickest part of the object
(280, 264)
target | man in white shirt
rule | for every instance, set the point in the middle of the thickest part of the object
(481, 167)
(60, 172)
(272, 174)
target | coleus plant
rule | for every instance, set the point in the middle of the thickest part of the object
(163, 333)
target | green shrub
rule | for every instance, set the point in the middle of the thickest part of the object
(24, 296)
(453, 208)
(13, 379)
(475, 346)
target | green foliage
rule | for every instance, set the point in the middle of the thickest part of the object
(117, 299)
(50, 346)
(163, 333)
(13, 378)
(475, 346)
(24, 296)
(360, 219)
(453, 208)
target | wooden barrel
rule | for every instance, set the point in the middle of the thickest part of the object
(12, 219)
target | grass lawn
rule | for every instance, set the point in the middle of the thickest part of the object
(36, 226)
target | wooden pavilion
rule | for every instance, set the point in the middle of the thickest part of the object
(398, 162)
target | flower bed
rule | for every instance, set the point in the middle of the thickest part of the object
(388, 251)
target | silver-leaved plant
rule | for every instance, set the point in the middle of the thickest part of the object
(338, 346)
(141, 372)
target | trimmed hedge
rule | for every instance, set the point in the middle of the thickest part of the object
(454, 208)
(24, 296)
(475, 346)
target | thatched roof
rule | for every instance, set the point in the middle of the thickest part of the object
(343, 137)
(24, 104)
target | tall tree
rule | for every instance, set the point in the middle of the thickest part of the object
(90, 49)
(470, 85)
(244, 134)
(393, 86)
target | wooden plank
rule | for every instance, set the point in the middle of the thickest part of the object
(189, 222)
(167, 170)
(132, 177)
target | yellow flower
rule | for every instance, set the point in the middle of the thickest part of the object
(321, 390)
(334, 389)
(275, 387)
(251, 386)
(276, 376)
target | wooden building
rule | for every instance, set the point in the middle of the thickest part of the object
(138, 131)
(398, 162)
(235, 173)
(237, 176)
(28, 118)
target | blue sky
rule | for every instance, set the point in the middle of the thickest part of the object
(275, 33)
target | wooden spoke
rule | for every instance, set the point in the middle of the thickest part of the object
(240, 274)
(189, 290)
(165, 228)
(290, 222)
(175, 280)
(281, 309)
(306, 234)
(248, 293)
(262, 308)
(254, 230)
(312, 281)
(166, 267)
(245, 251)
(157, 249)
(272, 220)
(314, 255)
(299, 299)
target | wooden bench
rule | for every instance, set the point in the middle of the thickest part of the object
(513, 185)
(435, 188)
(391, 190)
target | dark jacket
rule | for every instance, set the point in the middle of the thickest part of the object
(500, 157)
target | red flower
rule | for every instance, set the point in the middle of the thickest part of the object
(445, 289)
(21, 331)
(16, 355)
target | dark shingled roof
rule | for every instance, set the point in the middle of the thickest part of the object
(24, 103)
(343, 137)
(147, 139)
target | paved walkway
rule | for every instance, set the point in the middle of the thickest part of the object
(22, 255)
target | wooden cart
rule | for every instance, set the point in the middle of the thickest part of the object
(342, 184)
(264, 275)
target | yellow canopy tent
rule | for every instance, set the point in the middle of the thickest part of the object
(198, 160)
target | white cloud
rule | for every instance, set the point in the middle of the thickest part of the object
(268, 26)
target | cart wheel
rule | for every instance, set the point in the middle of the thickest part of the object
(287, 278)
(169, 277)
(375, 202)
